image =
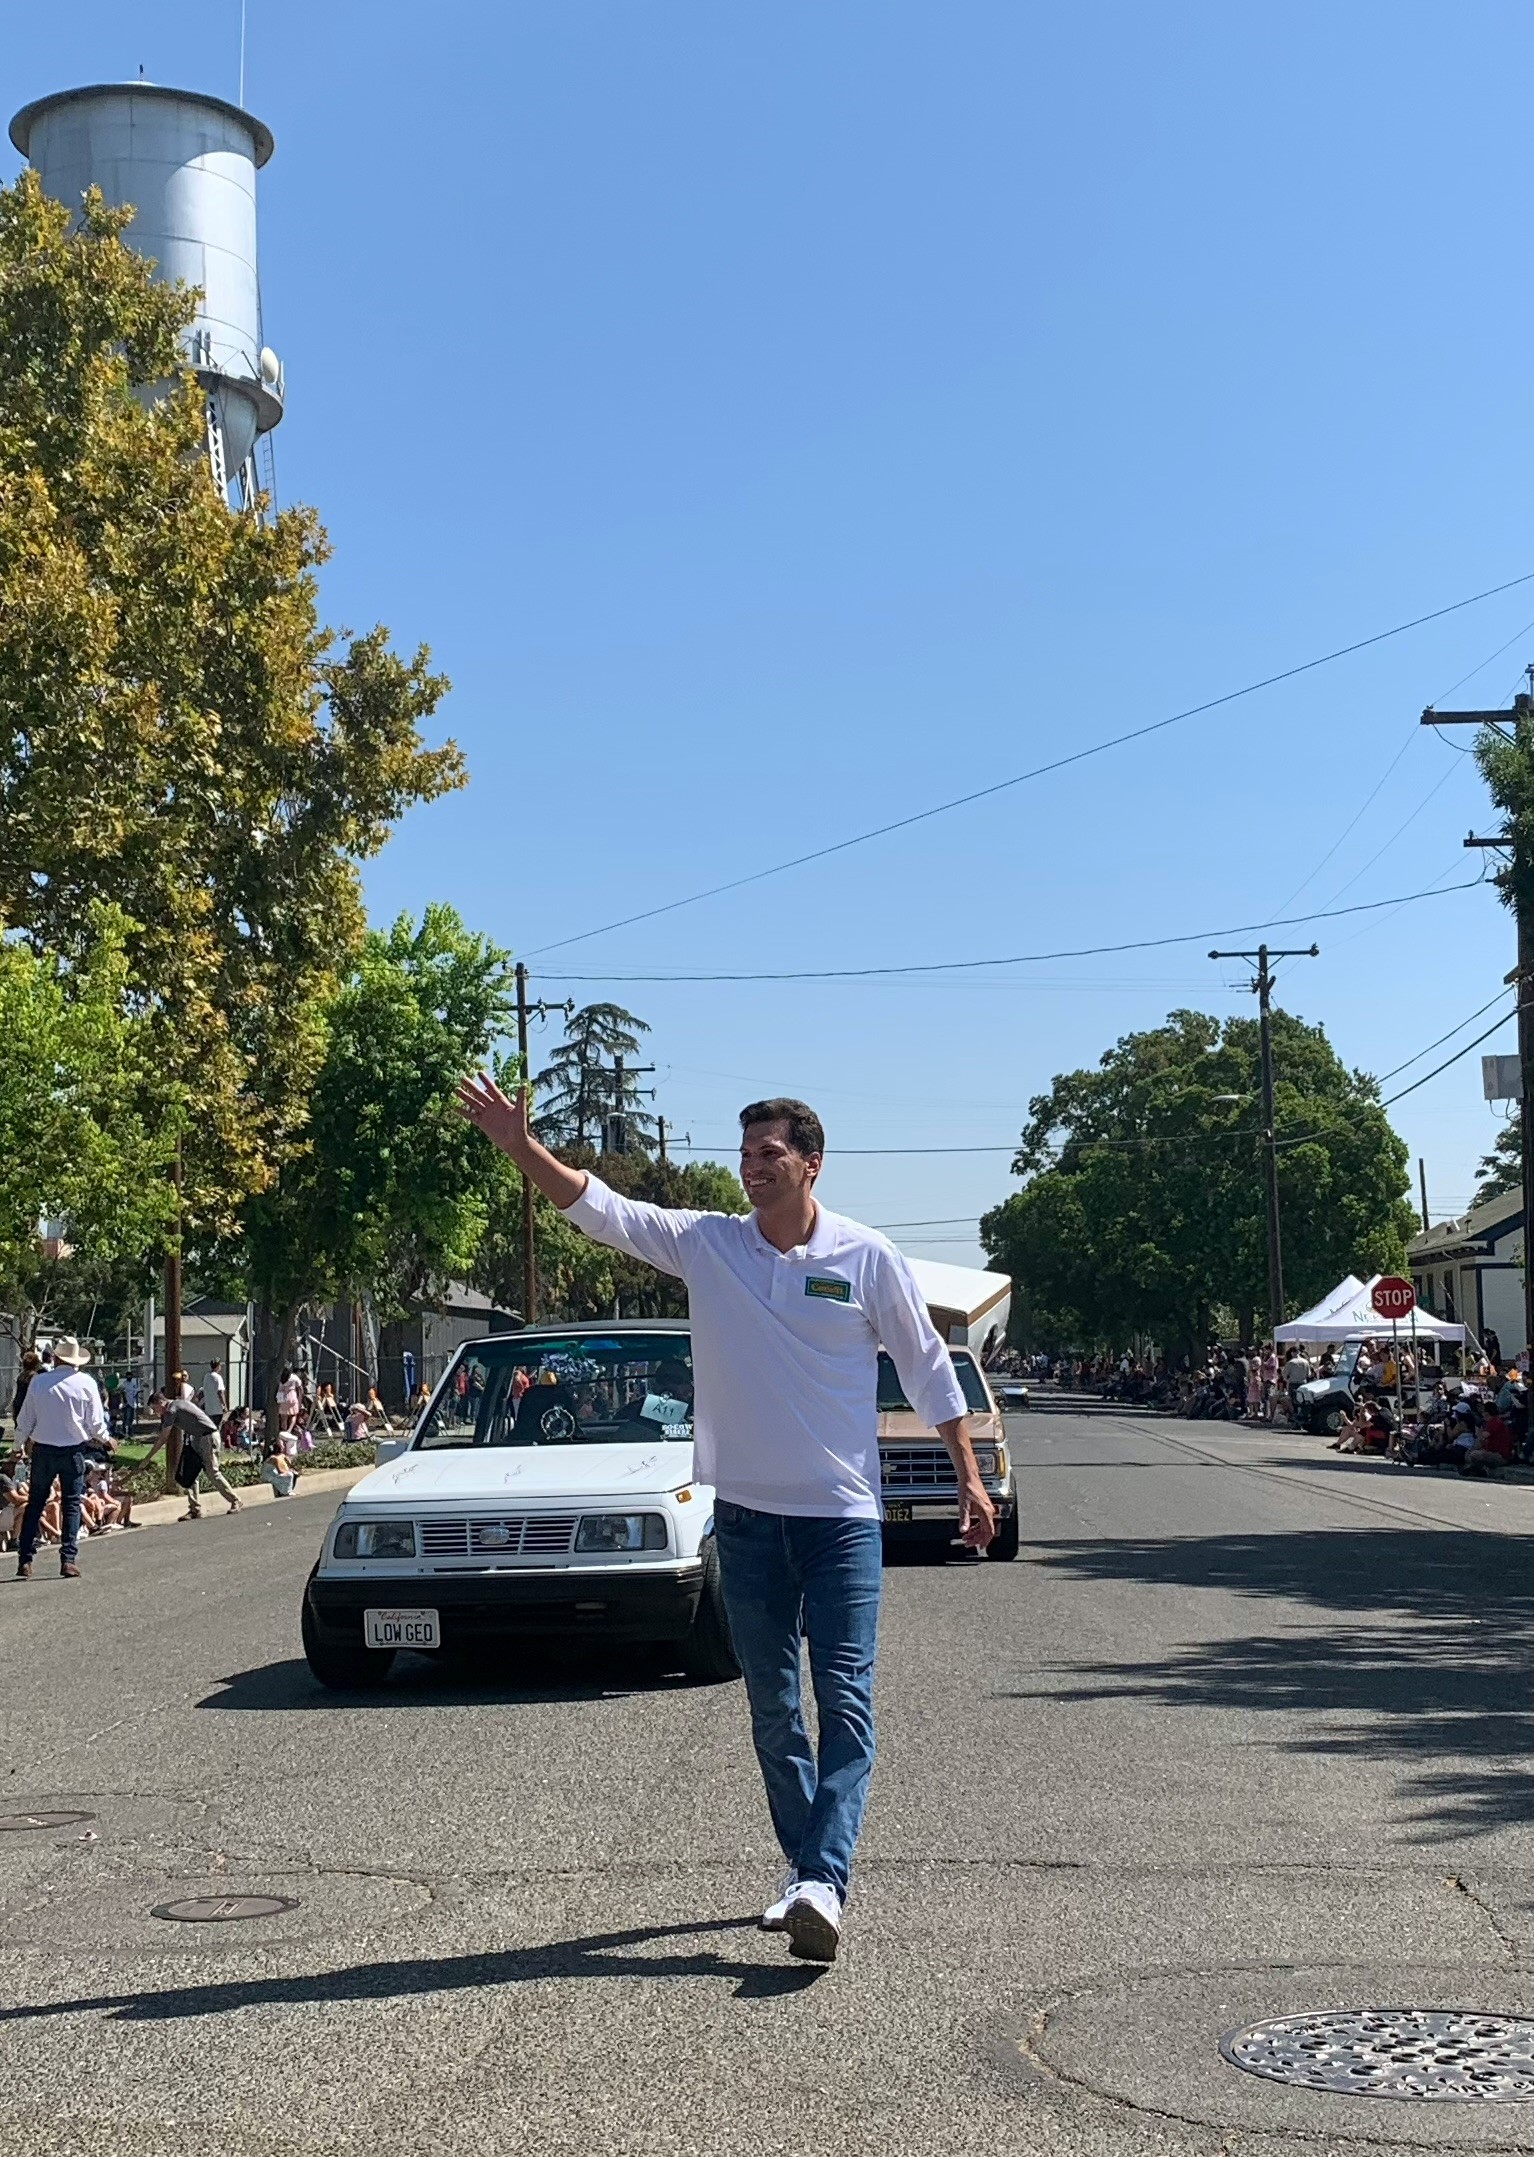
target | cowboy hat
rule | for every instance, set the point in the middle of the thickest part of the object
(66, 1349)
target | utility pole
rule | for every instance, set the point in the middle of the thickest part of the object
(615, 1136)
(1519, 880)
(1262, 988)
(661, 1128)
(529, 1226)
(1422, 1179)
(172, 1288)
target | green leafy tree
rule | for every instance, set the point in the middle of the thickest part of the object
(1143, 1210)
(1501, 1170)
(391, 1190)
(178, 731)
(581, 1083)
(581, 1279)
(75, 1153)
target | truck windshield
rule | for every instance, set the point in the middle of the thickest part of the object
(892, 1400)
(612, 1390)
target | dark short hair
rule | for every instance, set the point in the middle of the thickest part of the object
(806, 1133)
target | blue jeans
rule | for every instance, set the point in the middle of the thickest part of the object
(67, 1462)
(785, 1580)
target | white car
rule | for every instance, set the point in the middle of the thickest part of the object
(547, 1490)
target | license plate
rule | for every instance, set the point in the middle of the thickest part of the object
(401, 1629)
(898, 1512)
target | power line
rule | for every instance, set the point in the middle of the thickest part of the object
(1413, 735)
(1040, 958)
(1454, 1059)
(949, 1220)
(1039, 771)
(1386, 1076)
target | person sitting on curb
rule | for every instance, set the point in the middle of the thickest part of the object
(199, 1455)
(109, 1496)
(277, 1467)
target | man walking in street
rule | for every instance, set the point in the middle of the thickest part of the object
(198, 1456)
(60, 1418)
(790, 1305)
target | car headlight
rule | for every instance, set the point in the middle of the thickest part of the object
(990, 1460)
(621, 1531)
(375, 1539)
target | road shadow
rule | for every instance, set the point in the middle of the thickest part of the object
(1404, 1645)
(604, 1954)
(537, 1674)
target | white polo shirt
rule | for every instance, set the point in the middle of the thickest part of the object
(62, 1408)
(785, 1349)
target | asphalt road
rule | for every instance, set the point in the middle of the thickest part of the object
(1248, 1731)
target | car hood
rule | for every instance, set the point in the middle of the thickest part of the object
(496, 1473)
(897, 1426)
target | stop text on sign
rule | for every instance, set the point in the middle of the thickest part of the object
(1392, 1297)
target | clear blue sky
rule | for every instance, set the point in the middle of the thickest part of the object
(779, 418)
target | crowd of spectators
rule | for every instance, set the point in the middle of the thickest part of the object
(1397, 1405)
(308, 1414)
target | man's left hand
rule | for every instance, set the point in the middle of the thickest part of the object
(977, 1517)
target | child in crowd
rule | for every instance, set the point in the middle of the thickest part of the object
(277, 1466)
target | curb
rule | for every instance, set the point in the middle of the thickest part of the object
(155, 1512)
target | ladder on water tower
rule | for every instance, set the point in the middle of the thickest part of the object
(216, 448)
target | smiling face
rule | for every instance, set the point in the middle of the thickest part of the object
(772, 1169)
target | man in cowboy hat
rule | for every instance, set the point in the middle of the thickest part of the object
(61, 1416)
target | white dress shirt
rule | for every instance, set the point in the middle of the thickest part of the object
(785, 1349)
(62, 1408)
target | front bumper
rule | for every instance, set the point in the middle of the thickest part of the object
(642, 1605)
(935, 1514)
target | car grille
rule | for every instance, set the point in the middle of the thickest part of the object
(917, 1467)
(508, 1535)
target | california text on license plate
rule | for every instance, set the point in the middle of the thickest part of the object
(897, 1512)
(401, 1629)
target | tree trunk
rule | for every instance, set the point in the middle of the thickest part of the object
(276, 1338)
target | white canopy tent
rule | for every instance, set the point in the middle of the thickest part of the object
(1303, 1327)
(1348, 1315)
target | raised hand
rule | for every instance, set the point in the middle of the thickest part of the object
(502, 1117)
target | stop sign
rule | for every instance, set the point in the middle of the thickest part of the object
(1392, 1297)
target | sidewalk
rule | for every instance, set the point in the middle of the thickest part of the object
(154, 1512)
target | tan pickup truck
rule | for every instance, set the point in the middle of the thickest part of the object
(921, 1491)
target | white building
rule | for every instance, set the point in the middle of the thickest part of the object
(1472, 1269)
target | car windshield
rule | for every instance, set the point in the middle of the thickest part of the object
(892, 1400)
(607, 1389)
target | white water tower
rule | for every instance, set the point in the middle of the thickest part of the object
(188, 165)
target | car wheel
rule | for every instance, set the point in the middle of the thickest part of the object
(1005, 1542)
(707, 1652)
(1332, 1420)
(343, 1670)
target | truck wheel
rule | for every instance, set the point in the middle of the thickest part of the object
(1004, 1543)
(343, 1670)
(707, 1653)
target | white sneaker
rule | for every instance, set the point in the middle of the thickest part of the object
(813, 1921)
(771, 1919)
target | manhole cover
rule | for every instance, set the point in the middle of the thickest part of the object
(17, 1823)
(1394, 2052)
(223, 1909)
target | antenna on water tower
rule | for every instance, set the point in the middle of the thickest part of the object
(188, 164)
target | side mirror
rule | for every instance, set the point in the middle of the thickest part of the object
(387, 1449)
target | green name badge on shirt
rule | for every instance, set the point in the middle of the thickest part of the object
(830, 1291)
